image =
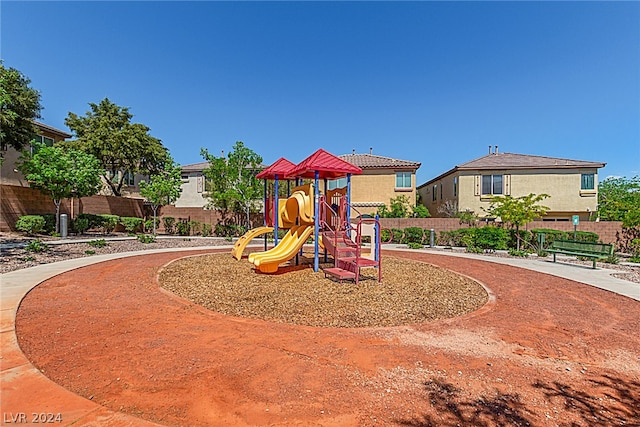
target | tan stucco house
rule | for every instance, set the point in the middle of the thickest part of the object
(382, 179)
(571, 184)
(9, 174)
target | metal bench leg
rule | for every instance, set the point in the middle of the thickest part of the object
(554, 257)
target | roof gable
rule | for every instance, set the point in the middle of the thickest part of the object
(515, 161)
(326, 164)
(280, 167)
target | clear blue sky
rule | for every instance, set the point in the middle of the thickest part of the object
(433, 82)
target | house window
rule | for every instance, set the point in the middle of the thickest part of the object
(588, 181)
(403, 179)
(492, 184)
(455, 186)
(43, 140)
(129, 178)
(336, 183)
(434, 192)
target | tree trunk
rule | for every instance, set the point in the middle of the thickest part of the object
(57, 203)
(155, 210)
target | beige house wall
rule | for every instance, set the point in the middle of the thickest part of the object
(192, 195)
(375, 188)
(562, 185)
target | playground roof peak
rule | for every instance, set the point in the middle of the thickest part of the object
(326, 164)
(280, 167)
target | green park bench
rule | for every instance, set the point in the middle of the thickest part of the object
(581, 249)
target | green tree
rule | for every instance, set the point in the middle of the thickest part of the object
(232, 180)
(619, 200)
(163, 188)
(61, 173)
(107, 133)
(517, 211)
(20, 107)
(399, 207)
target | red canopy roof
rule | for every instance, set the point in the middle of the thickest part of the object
(326, 164)
(280, 167)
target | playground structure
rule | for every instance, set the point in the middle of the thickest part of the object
(308, 214)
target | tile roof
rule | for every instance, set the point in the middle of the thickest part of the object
(371, 161)
(195, 167)
(503, 161)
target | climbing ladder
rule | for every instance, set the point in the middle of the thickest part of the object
(343, 242)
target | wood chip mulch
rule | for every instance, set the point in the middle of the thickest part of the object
(411, 292)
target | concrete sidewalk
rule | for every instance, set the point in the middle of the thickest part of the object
(601, 277)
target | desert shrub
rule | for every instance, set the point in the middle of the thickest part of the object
(80, 225)
(146, 238)
(30, 224)
(585, 236)
(148, 224)
(413, 235)
(49, 223)
(90, 252)
(109, 222)
(514, 252)
(195, 227)
(131, 224)
(456, 237)
(385, 235)
(183, 228)
(98, 243)
(414, 245)
(169, 223)
(36, 246)
(232, 230)
(490, 238)
(206, 229)
(95, 221)
(397, 235)
(611, 259)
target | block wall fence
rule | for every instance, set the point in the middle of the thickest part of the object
(17, 201)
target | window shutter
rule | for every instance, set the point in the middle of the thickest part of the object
(200, 184)
(507, 185)
(477, 179)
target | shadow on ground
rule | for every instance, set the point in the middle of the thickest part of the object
(610, 401)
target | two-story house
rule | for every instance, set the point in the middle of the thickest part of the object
(382, 179)
(572, 185)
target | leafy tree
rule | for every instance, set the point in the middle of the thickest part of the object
(121, 146)
(517, 211)
(399, 207)
(233, 183)
(619, 200)
(163, 189)
(61, 173)
(20, 106)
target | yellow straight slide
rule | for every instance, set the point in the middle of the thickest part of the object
(243, 241)
(268, 262)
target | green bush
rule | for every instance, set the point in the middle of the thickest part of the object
(195, 227)
(169, 223)
(397, 235)
(611, 259)
(385, 235)
(490, 238)
(80, 225)
(90, 252)
(36, 246)
(49, 224)
(94, 221)
(206, 229)
(232, 230)
(413, 235)
(131, 224)
(457, 237)
(414, 245)
(183, 228)
(148, 224)
(514, 252)
(109, 222)
(146, 238)
(585, 236)
(99, 243)
(30, 224)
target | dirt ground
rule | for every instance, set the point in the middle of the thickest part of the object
(544, 351)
